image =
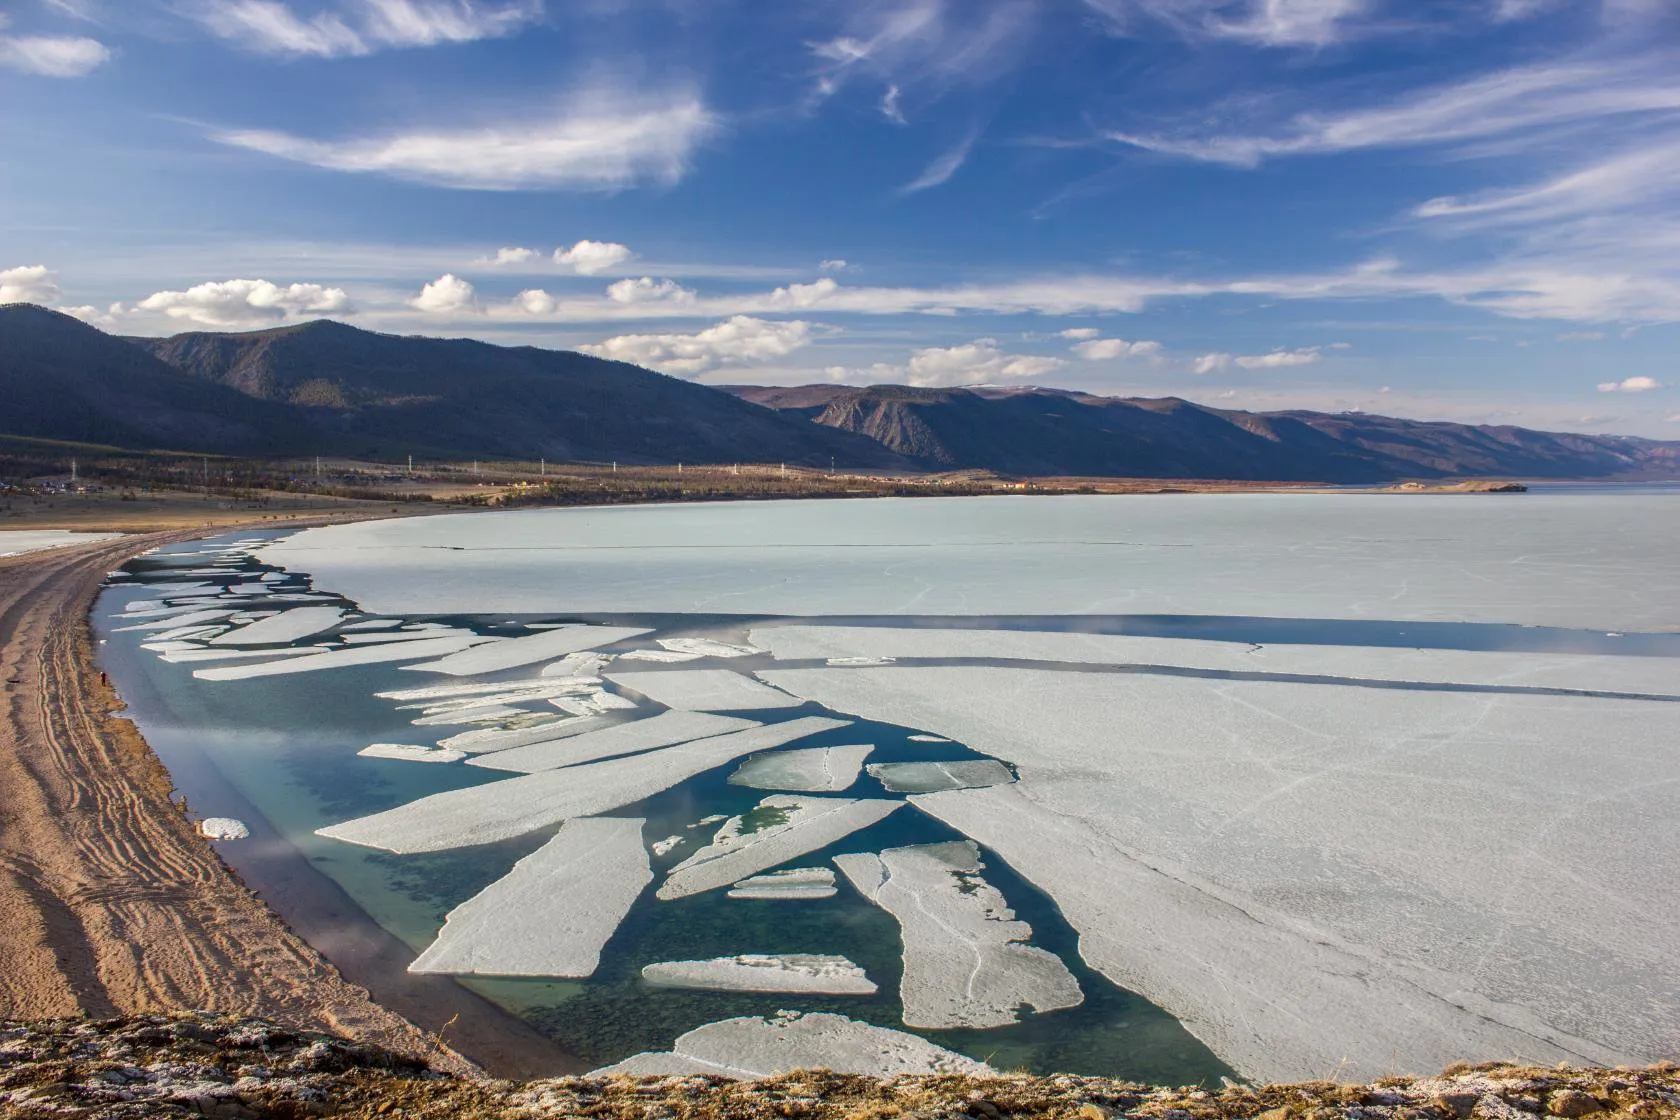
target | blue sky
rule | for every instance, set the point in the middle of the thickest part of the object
(1460, 210)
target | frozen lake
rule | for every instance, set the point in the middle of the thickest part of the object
(1160, 787)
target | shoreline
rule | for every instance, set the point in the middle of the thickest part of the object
(110, 901)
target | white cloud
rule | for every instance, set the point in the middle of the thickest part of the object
(535, 301)
(803, 295)
(648, 290)
(1079, 334)
(508, 256)
(1279, 359)
(588, 258)
(1631, 385)
(1269, 23)
(1521, 103)
(599, 144)
(741, 340)
(974, 363)
(232, 303)
(273, 27)
(1211, 363)
(940, 171)
(445, 295)
(890, 107)
(30, 283)
(834, 264)
(53, 56)
(1107, 349)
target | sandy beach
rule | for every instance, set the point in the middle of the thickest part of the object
(110, 901)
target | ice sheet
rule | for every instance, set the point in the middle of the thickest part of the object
(552, 914)
(749, 1048)
(966, 963)
(502, 810)
(409, 753)
(510, 653)
(813, 770)
(707, 647)
(704, 690)
(1313, 874)
(623, 738)
(287, 626)
(16, 542)
(738, 850)
(1598, 561)
(1654, 676)
(806, 973)
(340, 658)
(793, 883)
(493, 739)
(931, 777)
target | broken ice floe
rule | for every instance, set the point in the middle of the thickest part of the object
(705, 690)
(223, 828)
(410, 753)
(340, 658)
(787, 827)
(577, 665)
(200, 653)
(811, 770)
(374, 624)
(511, 653)
(966, 963)
(793, 883)
(532, 688)
(385, 636)
(489, 739)
(550, 915)
(1173, 821)
(751, 1048)
(477, 713)
(804, 973)
(502, 810)
(928, 739)
(595, 702)
(287, 626)
(16, 542)
(930, 777)
(1594, 672)
(670, 656)
(707, 647)
(666, 846)
(175, 619)
(623, 738)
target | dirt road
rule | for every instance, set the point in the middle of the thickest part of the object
(110, 902)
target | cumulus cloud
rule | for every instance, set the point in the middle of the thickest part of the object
(1631, 385)
(1079, 334)
(53, 56)
(835, 264)
(31, 283)
(803, 295)
(445, 295)
(233, 303)
(741, 340)
(648, 290)
(602, 143)
(975, 363)
(535, 301)
(273, 27)
(588, 258)
(509, 256)
(1107, 349)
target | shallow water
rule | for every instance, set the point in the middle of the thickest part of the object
(287, 745)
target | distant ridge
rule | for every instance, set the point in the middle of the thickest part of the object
(1036, 431)
(328, 388)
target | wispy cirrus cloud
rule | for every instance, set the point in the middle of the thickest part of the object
(360, 28)
(598, 143)
(53, 56)
(1270, 23)
(943, 167)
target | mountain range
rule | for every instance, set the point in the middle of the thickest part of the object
(327, 388)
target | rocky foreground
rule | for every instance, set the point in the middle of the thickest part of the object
(227, 1066)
